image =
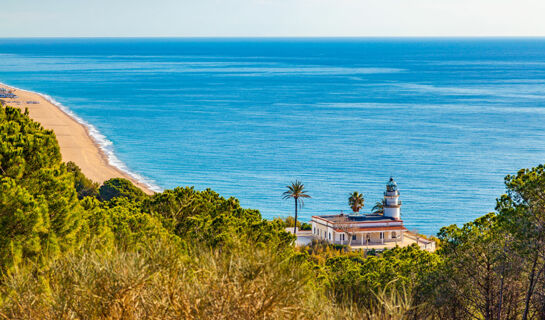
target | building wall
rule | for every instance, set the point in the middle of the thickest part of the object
(391, 223)
(328, 233)
(322, 232)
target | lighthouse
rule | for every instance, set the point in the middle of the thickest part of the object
(392, 205)
(369, 231)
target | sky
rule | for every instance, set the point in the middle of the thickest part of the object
(271, 18)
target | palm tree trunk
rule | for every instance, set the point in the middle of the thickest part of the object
(295, 223)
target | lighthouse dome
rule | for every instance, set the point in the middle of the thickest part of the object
(391, 185)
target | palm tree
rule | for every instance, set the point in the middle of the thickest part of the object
(296, 191)
(356, 201)
(378, 208)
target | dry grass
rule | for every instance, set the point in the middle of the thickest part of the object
(391, 304)
(160, 283)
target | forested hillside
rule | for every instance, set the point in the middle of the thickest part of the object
(73, 249)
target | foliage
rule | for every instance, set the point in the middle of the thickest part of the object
(290, 222)
(71, 250)
(296, 191)
(378, 208)
(24, 224)
(306, 226)
(25, 147)
(495, 266)
(208, 218)
(84, 186)
(158, 282)
(40, 213)
(356, 201)
(318, 251)
(360, 278)
(119, 187)
(476, 290)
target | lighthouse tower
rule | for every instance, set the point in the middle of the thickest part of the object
(392, 205)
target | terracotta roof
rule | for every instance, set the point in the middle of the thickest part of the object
(376, 229)
(350, 219)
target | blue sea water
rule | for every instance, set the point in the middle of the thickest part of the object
(448, 118)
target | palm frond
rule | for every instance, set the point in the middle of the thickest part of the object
(356, 201)
(378, 207)
(296, 190)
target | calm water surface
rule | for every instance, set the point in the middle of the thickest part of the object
(447, 118)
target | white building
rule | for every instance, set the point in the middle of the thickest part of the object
(371, 230)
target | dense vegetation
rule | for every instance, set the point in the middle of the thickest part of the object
(71, 249)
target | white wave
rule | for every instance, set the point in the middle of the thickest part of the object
(487, 63)
(505, 91)
(105, 145)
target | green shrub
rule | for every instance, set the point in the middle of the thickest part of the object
(119, 187)
(84, 186)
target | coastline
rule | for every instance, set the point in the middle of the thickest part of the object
(77, 139)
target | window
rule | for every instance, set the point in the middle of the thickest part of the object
(394, 235)
(342, 237)
(330, 236)
(353, 237)
(382, 235)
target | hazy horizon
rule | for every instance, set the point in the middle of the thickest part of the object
(281, 37)
(267, 18)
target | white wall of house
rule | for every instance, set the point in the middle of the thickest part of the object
(322, 232)
(328, 233)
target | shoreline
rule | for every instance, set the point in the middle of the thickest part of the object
(79, 141)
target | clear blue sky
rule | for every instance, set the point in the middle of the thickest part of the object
(262, 18)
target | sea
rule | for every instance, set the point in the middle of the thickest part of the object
(447, 118)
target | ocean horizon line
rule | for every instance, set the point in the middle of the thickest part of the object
(391, 37)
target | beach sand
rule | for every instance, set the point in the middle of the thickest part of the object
(75, 142)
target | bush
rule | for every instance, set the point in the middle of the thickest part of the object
(84, 186)
(288, 223)
(306, 226)
(119, 187)
(39, 210)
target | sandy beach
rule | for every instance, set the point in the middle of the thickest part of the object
(75, 142)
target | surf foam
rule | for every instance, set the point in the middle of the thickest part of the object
(105, 145)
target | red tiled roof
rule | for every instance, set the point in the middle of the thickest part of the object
(346, 219)
(377, 229)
